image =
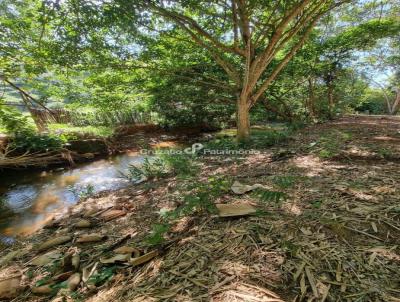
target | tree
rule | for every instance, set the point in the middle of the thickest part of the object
(243, 36)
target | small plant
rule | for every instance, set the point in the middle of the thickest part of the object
(102, 276)
(150, 169)
(180, 164)
(82, 192)
(268, 196)
(265, 139)
(331, 143)
(157, 234)
(316, 204)
(384, 152)
(285, 181)
(200, 198)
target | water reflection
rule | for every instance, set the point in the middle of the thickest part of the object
(29, 200)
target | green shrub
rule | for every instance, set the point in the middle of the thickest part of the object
(33, 142)
(182, 165)
(149, 169)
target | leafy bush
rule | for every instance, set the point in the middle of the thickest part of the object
(23, 135)
(149, 169)
(13, 121)
(181, 165)
(33, 142)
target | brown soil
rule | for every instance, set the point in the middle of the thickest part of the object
(334, 238)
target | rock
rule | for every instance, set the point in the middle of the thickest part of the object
(54, 242)
(143, 259)
(232, 210)
(10, 287)
(90, 238)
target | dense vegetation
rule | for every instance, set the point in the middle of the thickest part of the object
(89, 66)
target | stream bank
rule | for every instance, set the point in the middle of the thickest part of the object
(31, 198)
(333, 236)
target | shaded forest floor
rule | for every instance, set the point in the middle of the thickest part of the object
(333, 236)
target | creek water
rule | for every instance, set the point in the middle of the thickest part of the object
(29, 199)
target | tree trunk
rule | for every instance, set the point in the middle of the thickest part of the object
(396, 104)
(311, 98)
(41, 127)
(242, 120)
(331, 101)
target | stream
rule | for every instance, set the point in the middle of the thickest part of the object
(30, 199)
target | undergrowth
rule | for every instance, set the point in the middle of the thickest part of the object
(199, 199)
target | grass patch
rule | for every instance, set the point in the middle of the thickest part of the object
(260, 138)
(332, 143)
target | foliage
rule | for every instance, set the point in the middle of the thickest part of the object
(14, 122)
(83, 192)
(33, 142)
(105, 274)
(285, 181)
(74, 132)
(23, 136)
(331, 143)
(199, 199)
(167, 162)
(180, 164)
(151, 168)
(267, 196)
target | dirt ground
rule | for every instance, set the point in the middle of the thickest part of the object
(335, 235)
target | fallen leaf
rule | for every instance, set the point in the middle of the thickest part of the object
(46, 258)
(10, 287)
(75, 261)
(62, 276)
(42, 290)
(90, 212)
(11, 256)
(112, 214)
(232, 210)
(90, 238)
(127, 250)
(116, 258)
(73, 281)
(54, 242)
(83, 223)
(143, 259)
(239, 188)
